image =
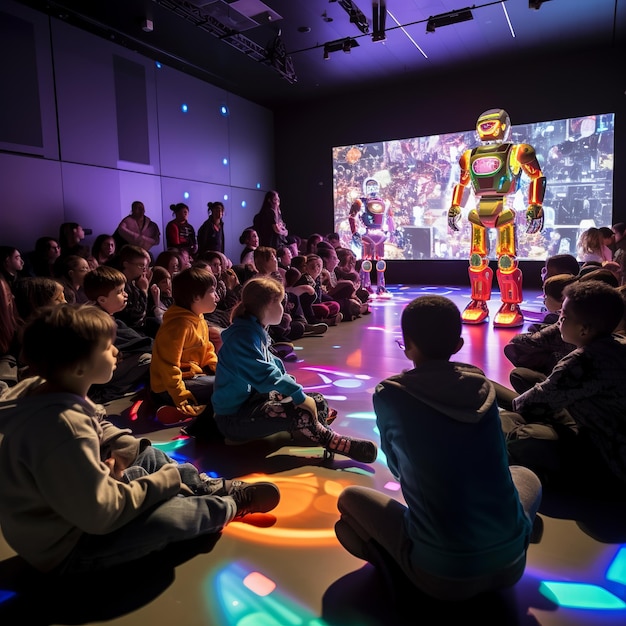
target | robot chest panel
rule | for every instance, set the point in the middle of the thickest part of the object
(490, 170)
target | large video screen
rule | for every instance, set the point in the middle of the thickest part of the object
(416, 177)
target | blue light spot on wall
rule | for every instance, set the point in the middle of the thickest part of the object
(186, 195)
(244, 204)
(225, 196)
(159, 66)
(258, 185)
(224, 161)
(224, 111)
(184, 108)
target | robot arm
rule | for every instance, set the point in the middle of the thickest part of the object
(454, 212)
(530, 166)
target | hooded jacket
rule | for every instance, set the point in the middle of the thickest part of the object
(55, 486)
(440, 431)
(181, 349)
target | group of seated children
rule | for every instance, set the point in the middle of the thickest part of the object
(448, 433)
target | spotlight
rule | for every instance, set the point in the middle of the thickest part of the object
(346, 44)
(446, 19)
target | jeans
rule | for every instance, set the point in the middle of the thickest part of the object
(176, 519)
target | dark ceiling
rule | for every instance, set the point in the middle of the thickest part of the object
(272, 51)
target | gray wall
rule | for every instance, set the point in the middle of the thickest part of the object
(87, 127)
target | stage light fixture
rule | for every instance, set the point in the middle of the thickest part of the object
(446, 19)
(356, 15)
(346, 44)
(379, 8)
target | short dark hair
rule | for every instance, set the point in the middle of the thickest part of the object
(595, 304)
(191, 283)
(562, 264)
(554, 285)
(599, 273)
(101, 280)
(58, 337)
(433, 324)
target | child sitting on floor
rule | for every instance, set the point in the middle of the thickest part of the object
(254, 396)
(467, 521)
(79, 493)
(105, 287)
(570, 428)
(182, 371)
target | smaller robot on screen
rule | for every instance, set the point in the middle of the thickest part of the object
(374, 218)
(494, 169)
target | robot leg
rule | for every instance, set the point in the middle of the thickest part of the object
(481, 276)
(509, 314)
(366, 280)
(381, 290)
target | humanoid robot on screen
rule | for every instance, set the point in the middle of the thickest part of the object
(494, 169)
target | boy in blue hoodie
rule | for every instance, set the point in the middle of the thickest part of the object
(468, 517)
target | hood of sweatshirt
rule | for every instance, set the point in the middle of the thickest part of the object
(459, 390)
(23, 397)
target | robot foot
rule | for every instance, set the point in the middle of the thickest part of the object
(509, 315)
(476, 312)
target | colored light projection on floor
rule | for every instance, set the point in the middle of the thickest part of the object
(247, 597)
(589, 596)
(307, 511)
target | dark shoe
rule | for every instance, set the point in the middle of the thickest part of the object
(358, 449)
(333, 321)
(315, 329)
(203, 428)
(254, 497)
(284, 351)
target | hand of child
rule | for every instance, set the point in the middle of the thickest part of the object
(115, 468)
(193, 410)
(143, 282)
(156, 294)
(310, 406)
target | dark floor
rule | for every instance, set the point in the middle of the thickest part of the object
(294, 572)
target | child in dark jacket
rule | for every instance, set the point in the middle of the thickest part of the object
(468, 516)
(570, 427)
(105, 287)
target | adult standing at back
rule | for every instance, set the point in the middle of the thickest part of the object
(179, 233)
(211, 233)
(268, 222)
(137, 229)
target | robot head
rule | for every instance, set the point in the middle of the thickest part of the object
(371, 187)
(494, 125)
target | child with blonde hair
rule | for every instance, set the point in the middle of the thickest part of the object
(253, 395)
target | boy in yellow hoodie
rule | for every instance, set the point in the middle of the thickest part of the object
(183, 365)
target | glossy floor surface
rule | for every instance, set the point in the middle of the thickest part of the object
(291, 570)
